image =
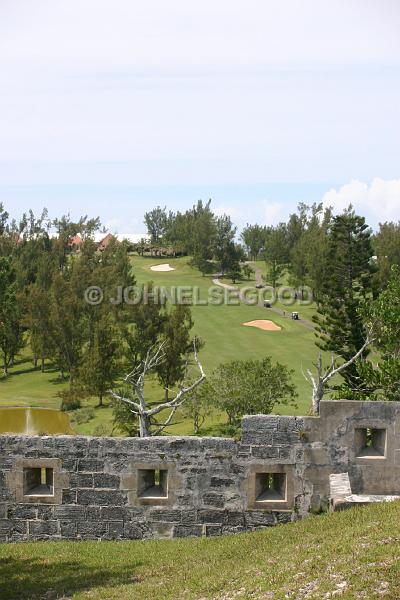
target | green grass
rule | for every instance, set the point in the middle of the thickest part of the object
(352, 554)
(225, 339)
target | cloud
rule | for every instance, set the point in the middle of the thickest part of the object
(379, 200)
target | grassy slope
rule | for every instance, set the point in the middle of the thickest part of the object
(220, 326)
(353, 554)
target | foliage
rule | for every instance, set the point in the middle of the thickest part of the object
(84, 415)
(176, 335)
(156, 222)
(247, 270)
(123, 418)
(71, 398)
(383, 318)
(198, 405)
(251, 387)
(11, 332)
(339, 327)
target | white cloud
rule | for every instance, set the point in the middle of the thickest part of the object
(379, 200)
(266, 212)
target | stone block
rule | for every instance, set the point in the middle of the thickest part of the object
(39, 529)
(211, 530)
(221, 482)
(90, 465)
(71, 513)
(115, 530)
(101, 497)
(114, 513)
(22, 511)
(133, 531)
(167, 515)
(260, 518)
(5, 526)
(68, 529)
(105, 480)
(210, 516)
(215, 499)
(234, 519)
(188, 517)
(45, 513)
(81, 480)
(91, 529)
(187, 531)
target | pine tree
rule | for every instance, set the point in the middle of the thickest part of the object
(339, 325)
(11, 332)
(176, 335)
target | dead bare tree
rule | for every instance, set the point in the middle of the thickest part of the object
(136, 378)
(320, 380)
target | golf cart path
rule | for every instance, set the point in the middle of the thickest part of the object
(259, 281)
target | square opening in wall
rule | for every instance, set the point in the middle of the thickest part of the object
(370, 443)
(153, 483)
(38, 481)
(270, 487)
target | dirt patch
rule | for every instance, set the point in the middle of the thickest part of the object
(263, 324)
(164, 267)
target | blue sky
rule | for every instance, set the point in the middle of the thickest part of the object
(110, 107)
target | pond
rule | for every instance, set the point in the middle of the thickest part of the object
(34, 421)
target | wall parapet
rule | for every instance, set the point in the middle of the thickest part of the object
(75, 487)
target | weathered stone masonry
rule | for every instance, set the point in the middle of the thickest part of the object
(130, 488)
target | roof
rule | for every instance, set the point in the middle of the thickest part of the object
(106, 241)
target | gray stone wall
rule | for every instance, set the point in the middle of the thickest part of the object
(277, 472)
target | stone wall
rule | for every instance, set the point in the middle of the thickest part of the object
(129, 488)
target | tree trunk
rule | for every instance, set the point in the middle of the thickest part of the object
(42, 365)
(100, 399)
(144, 423)
(317, 396)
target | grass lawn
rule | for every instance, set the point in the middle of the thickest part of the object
(219, 326)
(351, 554)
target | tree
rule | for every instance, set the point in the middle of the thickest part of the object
(100, 362)
(3, 219)
(383, 317)
(276, 253)
(68, 331)
(198, 405)
(203, 265)
(11, 332)
(317, 246)
(339, 326)
(224, 248)
(254, 237)
(386, 245)
(37, 305)
(251, 387)
(144, 322)
(156, 221)
(177, 343)
(137, 402)
(248, 270)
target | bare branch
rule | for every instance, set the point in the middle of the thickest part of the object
(319, 382)
(136, 378)
(127, 401)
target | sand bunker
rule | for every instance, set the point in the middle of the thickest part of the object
(263, 324)
(164, 267)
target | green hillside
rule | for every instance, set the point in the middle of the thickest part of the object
(352, 554)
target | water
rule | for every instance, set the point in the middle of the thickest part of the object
(34, 421)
